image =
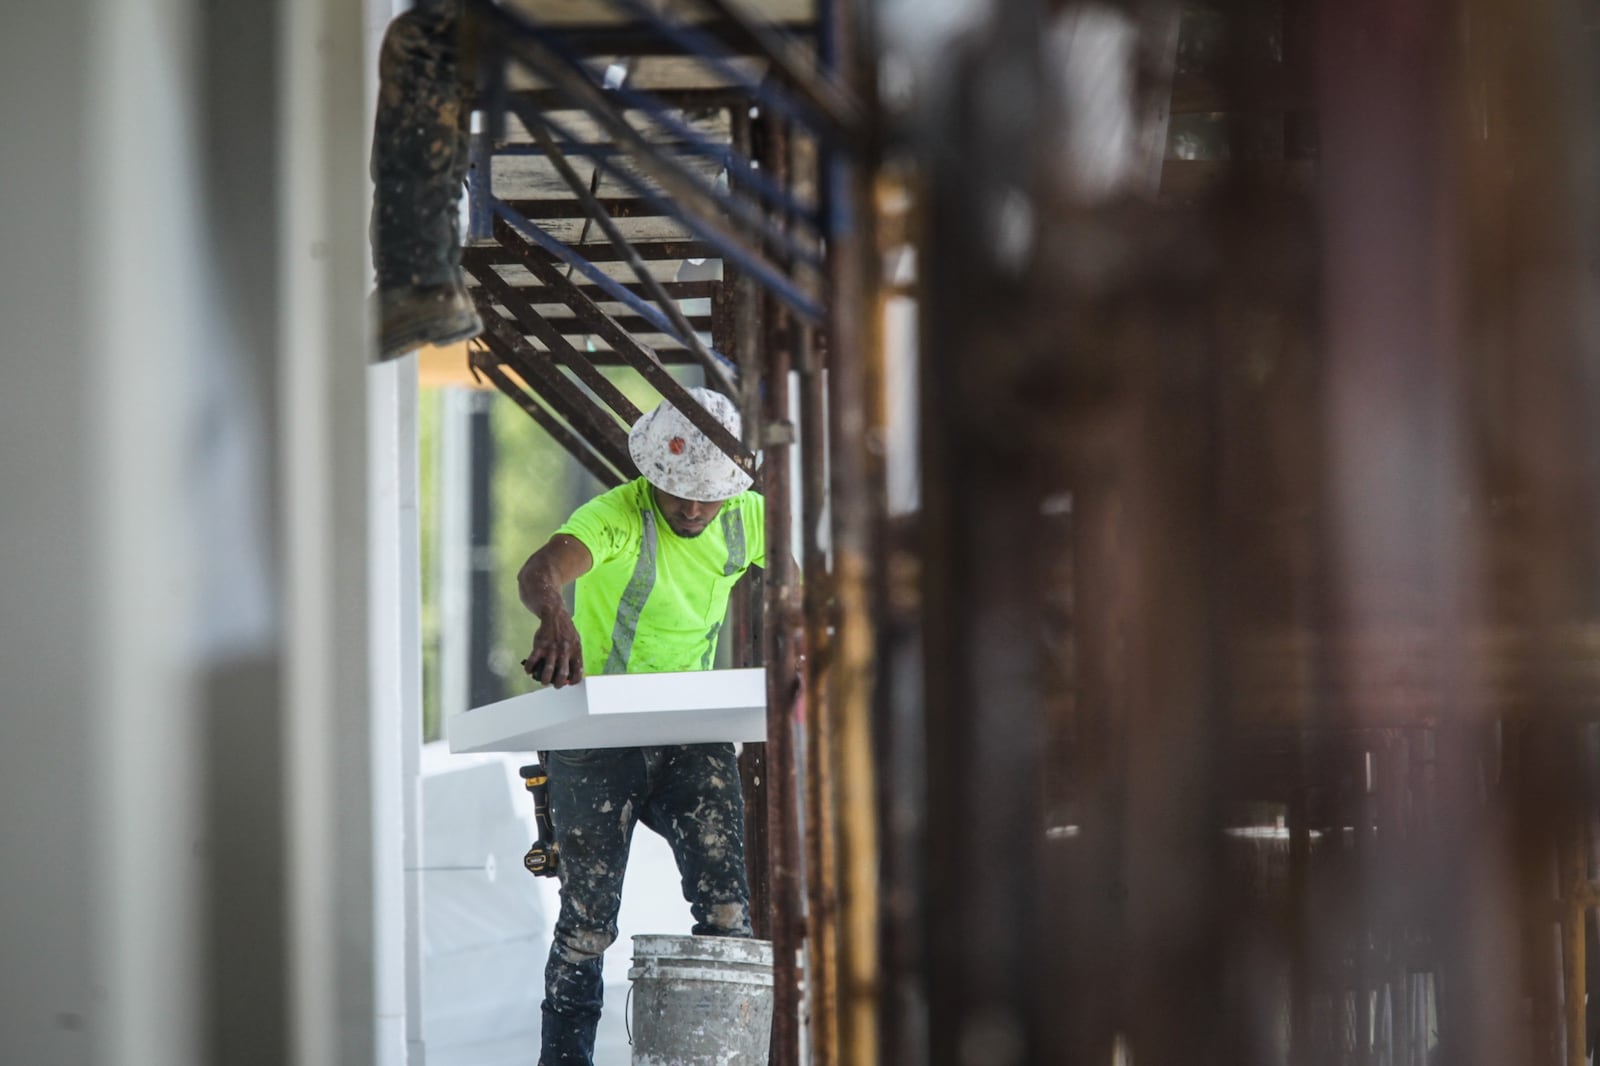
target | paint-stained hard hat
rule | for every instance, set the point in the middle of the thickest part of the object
(677, 458)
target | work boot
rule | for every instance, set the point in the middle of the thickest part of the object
(416, 315)
(419, 163)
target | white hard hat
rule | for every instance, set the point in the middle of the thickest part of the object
(677, 458)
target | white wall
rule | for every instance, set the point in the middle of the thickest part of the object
(48, 671)
(187, 840)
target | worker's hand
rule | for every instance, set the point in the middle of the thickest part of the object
(557, 655)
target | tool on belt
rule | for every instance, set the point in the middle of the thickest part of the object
(542, 857)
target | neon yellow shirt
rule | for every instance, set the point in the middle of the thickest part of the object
(654, 601)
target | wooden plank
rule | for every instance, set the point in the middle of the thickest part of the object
(596, 253)
(540, 295)
(575, 231)
(692, 102)
(616, 270)
(617, 207)
(634, 39)
(571, 326)
(662, 73)
(713, 125)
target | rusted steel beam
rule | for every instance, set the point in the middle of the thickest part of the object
(538, 369)
(784, 643)
(796, 70)
(764, 92)
(855, 480)
(759, 333)
(693, 101)
(716, 373)
(680, 290)
(604, 253)
(605, 357)
(582, 301)
(529, 321)
(1574, 937)
(639, 356)
(606, 40)
(633, 324)
(749, 650)
(821, 811)
(681, 186)
(591, 461)
(615, 206)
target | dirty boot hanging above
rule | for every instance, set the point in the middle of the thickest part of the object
(419, 161)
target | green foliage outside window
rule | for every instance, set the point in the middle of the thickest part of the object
(535, 484)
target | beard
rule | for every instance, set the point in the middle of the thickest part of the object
(685, 533)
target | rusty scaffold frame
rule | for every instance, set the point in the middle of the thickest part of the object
(1234, 695)
(1260, 596)
(761, 162)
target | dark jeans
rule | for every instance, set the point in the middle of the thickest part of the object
(690, 795)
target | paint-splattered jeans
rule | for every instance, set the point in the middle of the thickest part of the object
(690, 795)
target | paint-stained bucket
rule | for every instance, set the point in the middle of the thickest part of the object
(701, 1001)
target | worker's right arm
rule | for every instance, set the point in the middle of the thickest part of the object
(557, 655)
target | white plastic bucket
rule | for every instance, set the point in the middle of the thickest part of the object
(700, 1001)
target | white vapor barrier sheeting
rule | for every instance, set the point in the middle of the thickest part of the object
(484, 928)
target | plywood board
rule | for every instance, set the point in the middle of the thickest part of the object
(620, 711)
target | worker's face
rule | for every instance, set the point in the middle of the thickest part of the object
(688, 518)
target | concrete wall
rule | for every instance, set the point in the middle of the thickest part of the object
(187, 771)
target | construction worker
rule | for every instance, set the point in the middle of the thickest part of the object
(419, 161)
(654, 561)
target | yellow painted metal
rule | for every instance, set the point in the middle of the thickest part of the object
(1575, 882)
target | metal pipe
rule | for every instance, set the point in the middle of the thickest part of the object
(760, 324)
(741, 172)
(784, 641)
(852, 282)
(816, 115)
(738, 166)
(556, 343)
(821, 821)
(711, 363)
(633, 40)
(681, 186)
(838, 110)
(548, 99)
(1574, 974)
(639, 356)
(560, 251)
(715, 244)
(574, 446)
(712, 229)
(593, 422)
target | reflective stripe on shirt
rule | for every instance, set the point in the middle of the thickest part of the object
(738, 556)
(633, 597)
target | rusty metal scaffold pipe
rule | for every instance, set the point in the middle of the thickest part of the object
(687, 335)
(821, 798)
(855, 480)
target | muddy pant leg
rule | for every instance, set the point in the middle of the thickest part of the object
(592, 805)
(698, 807)
(419, 151)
